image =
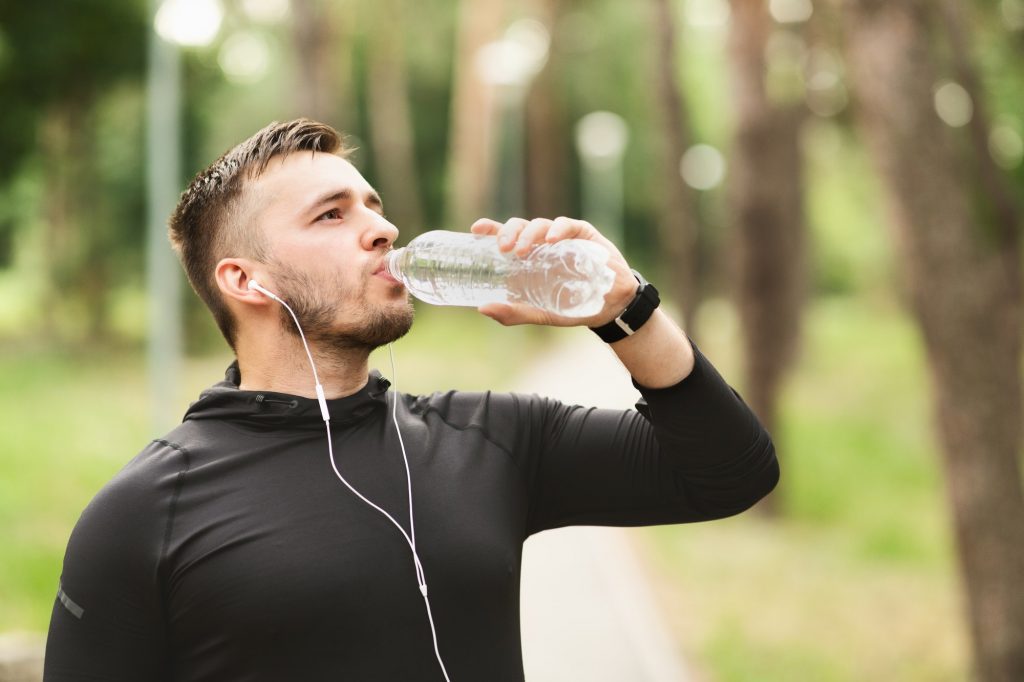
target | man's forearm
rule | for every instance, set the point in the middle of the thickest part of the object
(658, 354)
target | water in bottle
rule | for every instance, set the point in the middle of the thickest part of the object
(569, 277)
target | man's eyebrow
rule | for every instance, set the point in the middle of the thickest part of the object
(372, 200)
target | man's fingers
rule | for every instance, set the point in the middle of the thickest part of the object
(508, 235)
(521, 235)
(532, 234)
(485, 226)
(510, 314)
(499, 312)
(566, 228)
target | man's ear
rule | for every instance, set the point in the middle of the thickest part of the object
(233, 276)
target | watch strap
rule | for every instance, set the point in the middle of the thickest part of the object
(634, 316)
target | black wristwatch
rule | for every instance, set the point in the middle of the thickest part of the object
(634, 316)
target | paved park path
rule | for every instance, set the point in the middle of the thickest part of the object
(588, 612)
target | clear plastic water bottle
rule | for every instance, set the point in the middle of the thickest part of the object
(568, 277)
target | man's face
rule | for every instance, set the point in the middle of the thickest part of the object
(326, 236)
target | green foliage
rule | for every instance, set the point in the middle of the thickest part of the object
(858, 580)
(55, 56)
(53, 460)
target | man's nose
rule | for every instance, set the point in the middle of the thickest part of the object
(381, 234)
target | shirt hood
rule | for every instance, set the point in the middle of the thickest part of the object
(225, 401)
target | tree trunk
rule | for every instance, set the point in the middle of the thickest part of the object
(963, 279)
(547, 131)
(391, 129)
(473, 115)
(313, 35)
(69, 246)
(55, 143)
(678, 225)
(765, 198)
(993, 185)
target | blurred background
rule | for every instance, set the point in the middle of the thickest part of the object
(828, 195)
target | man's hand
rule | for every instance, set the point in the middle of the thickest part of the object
(520, 236)
(657, 355)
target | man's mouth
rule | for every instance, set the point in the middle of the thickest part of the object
(382, 271)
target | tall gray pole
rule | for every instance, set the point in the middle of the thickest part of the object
(509, 65)
(163, 170)
(510, 157)
(602, 197)
(601, 139)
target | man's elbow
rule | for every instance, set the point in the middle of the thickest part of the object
(764, 482)
(758, 479)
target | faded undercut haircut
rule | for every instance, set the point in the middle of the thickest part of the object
(211, 221)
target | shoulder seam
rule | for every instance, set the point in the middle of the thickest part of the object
(474, 427)
(179, 483)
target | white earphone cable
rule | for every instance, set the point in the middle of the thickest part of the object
(410, 537)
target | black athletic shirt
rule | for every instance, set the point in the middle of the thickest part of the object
(230, 551)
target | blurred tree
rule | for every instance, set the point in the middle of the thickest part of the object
(547, 129)
(958, 237)
(473, 112)
(51, 87)
(765, 199)
(314, 34)
(390, 116)
(993, 185)
(678, 223)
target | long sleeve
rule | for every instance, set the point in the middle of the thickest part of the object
(693, 452)
(107, 620)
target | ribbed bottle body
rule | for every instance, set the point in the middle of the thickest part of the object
(569, 277)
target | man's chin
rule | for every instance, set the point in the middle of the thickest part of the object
(383, 326)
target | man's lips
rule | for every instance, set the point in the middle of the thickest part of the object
(382, 271)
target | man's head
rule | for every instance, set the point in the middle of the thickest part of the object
(285, 207)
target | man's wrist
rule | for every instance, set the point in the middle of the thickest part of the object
(636, 314)
(657, 356)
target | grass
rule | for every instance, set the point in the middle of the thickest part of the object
(69, 424)
(857, 580)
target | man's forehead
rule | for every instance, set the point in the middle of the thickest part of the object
(304, 175)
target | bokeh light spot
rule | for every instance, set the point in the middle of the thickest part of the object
(953, 104)
(265, 11)
(790, 11)
(1006, 146)
(702, 167)
(244, 57)
(192, 23)
(602, 136)
(517, 57)
(707, 14)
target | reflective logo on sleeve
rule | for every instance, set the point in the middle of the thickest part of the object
(69, 603)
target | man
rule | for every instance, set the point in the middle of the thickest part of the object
(230, 550)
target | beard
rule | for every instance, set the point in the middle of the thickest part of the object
(318, 313)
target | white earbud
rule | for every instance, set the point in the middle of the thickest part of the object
(255, 286)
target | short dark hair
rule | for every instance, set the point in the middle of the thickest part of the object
(208, 224)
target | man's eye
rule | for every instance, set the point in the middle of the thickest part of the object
(333, 214)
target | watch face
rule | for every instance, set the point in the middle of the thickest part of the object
(647, 289)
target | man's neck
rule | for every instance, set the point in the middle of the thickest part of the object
(282, 367)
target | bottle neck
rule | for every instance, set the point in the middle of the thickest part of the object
(391, 262)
